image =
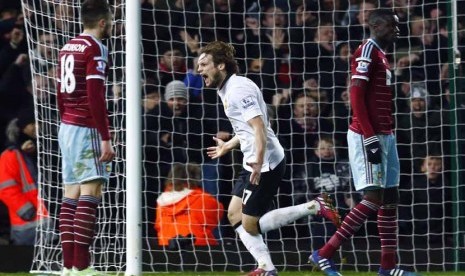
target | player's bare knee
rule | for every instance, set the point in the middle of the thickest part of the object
(234, 217)
(92, 188)
(374, 196)
(250, 227)
(250, 224)
(391, 197)
(235, 210)
(72, 191)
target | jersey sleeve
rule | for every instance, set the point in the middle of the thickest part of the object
(247, 102)
(97, 63)
(96, 71)
(362, 63)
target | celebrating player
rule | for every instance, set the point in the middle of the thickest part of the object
(372, 148)
(84, 135)
(264, 162)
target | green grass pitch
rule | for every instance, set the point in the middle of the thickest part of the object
(284, 273)
(291, 273)
(297, 273)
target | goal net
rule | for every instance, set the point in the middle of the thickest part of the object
(298, 53)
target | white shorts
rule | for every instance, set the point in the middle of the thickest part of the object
(80, 151)
(373, 176)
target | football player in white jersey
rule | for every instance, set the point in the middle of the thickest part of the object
(264, 161)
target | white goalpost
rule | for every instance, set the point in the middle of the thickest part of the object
(133, 140)
(156, 41)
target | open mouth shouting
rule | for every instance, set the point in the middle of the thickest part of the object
(206, 79)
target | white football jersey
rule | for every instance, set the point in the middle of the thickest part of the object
(243, 100)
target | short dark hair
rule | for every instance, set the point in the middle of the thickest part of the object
(380, 15)
(94, 10)
(222, 52)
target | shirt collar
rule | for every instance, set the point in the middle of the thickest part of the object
(225, 81)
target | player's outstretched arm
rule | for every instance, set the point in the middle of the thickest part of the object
(222, 147)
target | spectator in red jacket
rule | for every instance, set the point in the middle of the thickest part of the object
(186, 215)
(18, 179)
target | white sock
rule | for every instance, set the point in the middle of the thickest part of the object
(257, 247)
(283, 216)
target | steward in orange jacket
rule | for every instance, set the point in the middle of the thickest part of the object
(183, 211)
(18, 182)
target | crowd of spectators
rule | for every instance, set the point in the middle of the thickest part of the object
(298, 52)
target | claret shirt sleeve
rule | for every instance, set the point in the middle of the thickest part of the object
(96, 68)
(361, 68)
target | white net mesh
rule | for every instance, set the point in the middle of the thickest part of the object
(49, 24)
(290, 49)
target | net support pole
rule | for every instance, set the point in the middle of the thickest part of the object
(133, 139)
(457, 136)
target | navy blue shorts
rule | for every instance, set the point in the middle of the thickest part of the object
(257, 199)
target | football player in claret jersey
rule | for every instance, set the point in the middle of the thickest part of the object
(84, 135)
(264, 162)
(372, 148)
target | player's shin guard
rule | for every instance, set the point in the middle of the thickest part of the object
(387, 228)
(66, 222)
(352, 222)
(257, 247)
(84, 223)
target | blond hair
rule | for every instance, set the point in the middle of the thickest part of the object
(182, 174)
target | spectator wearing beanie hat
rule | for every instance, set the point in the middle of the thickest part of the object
(418, 100)
(176, 97)
(175, 89)
(21, 131)
(420, 130)
(26, 117)
(175, 133)
(418, 92)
